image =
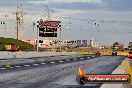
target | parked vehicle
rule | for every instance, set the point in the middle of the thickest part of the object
(114, 53)
(11, 48)
(130, 55)
(98, 53)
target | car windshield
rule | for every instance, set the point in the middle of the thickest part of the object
(130, 52)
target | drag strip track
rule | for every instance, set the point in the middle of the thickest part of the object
(61, 75)
(23, 66)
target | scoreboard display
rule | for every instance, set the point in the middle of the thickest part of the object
(48, 28)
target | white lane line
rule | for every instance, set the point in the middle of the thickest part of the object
(52, 62)
(35, 64)
(88, 57)
(3, 68)
(67, 60)
(26, 65)
(61, 61)
(17, 66)
(43, 63)
(75, 59)
(81, 58)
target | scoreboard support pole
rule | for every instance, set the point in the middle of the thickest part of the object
(52, 46)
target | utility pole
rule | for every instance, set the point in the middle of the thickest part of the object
(48, 13)
(17, 25)
(19, 21)
(48, 17)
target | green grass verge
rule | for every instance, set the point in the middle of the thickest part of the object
(10, 41)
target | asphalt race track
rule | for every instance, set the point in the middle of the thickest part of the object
(58, 73)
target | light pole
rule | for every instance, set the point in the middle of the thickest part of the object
(34, 34)
(4, 24)
(60, 40)
(38, 38)
(81, 32)
(5, 27)
(68, 27)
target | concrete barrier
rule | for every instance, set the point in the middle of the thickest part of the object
(124, 68)
(14, 55)
(83, 53)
